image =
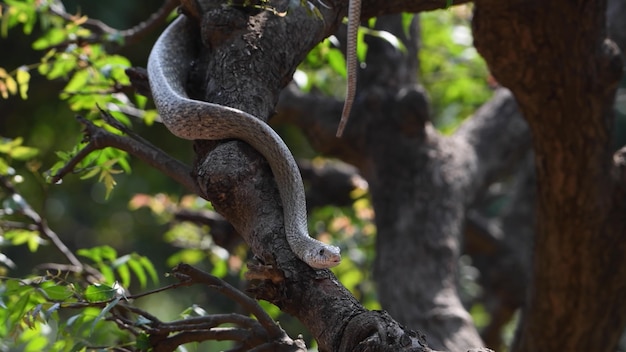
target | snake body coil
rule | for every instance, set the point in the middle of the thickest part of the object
(168, 68)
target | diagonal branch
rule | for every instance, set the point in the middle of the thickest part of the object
(99, 138)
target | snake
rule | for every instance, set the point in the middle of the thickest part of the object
(354, 17)
(169, 64)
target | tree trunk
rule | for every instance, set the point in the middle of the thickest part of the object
(555, 59)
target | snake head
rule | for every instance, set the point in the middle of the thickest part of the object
(323, 257)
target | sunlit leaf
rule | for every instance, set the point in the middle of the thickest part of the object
(23, 153)
(58, 292)
(23, 77)
(11, 85)
(124, 273)
(99, 254)
(78, 81)
(20, 236)
(147, 264)
(99, 293)
(138, 270)
(52, 37)
(36, 343)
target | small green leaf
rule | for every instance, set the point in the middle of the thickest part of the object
(23, 77)
(107, 272)
(58, 292)
(99, 293)
(23, 153)
(337, 61)
(104, 312)
(143, 342)
(19, 236)
(4, 167)
(51, 38)
(99, 254)
(135, 265)
(124, 273)
(147, 264)
(36, 343)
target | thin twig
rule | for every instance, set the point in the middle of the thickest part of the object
(129, 36)
(98, 138)
(40, 223)
(194, 275)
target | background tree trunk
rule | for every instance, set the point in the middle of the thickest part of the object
(563, 72)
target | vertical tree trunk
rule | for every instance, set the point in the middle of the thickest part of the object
(554, 57)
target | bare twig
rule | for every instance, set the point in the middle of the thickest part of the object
(192, 275)
(41, 225)
(129, 36)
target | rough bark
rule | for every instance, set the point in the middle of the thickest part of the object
(554, 57)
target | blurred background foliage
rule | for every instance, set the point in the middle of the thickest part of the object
(117, 212)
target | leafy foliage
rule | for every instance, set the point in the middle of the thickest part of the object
(95, 78)
(452, 71)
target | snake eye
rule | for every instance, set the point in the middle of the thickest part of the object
(322, 252)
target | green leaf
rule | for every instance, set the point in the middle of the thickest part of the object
(337, 61)
(23, 153)
(51, 38)
(36, 343)
(135, 265)
(23, 77)
(143, 342)
(107, 272)
(147, 264)
(99, 254)
(104, 312)
(124, 274)
(78, 81)
(19, 236)
(4, 167)
(58, 292)
(99, 293)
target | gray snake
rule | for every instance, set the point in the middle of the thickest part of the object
(168, 68)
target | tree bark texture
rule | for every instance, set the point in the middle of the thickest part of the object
(555, 57)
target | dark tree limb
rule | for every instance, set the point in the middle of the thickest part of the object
(498, 137)
(579, 248)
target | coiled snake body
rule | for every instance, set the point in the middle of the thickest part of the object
(168, 67)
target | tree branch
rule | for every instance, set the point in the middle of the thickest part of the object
(129, 36)
(99, 138)
(499, 137)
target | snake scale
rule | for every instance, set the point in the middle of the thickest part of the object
(168, 68)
